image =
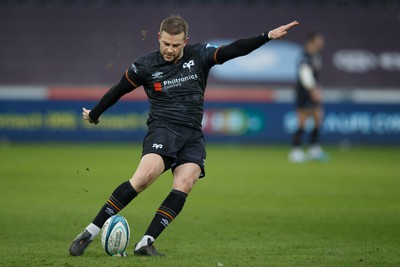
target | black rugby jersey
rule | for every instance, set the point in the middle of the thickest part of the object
(314, 62)
(175, 90)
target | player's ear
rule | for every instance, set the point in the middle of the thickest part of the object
(159, 36)
(186, 41)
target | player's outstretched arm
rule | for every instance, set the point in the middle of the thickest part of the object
(85, 114)
(282, 30)
(243, 47)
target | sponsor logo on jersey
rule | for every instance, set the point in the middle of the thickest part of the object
(188, 64)
(157, 146)
(178, 81)
(158, 87)
(157, 75)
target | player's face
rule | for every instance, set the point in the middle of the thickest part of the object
(171, 46)
(318, 43)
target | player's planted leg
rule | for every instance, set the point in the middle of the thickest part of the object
(185, 176)
(165, 214)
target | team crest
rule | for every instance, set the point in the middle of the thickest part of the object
(157, 146)
(188, 64)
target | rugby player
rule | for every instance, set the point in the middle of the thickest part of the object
(174, 79)
(308, 99)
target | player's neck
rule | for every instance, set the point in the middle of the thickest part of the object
(180, 56)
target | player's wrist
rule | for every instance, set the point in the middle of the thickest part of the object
(91, 120)
(266, 35)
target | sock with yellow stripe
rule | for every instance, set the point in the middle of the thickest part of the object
(166, 213)
(121, 197)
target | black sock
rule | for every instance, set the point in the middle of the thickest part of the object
(297, 137)
(121, 197)
(314, 137)
(166, 213)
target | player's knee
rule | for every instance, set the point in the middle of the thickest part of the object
(143, 178)
(185, 185)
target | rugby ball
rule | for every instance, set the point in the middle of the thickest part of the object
(115, 235)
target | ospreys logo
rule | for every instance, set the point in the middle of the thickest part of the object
(157, 146)
(188, 64)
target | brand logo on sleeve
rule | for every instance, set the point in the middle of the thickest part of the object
(135, 69)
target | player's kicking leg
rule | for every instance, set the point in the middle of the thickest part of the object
(185, 176)
(149, 169)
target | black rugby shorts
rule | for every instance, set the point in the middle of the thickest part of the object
(176, 144)
(304, 100)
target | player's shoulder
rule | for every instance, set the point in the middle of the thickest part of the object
(149, 57)
(305, 58)
(147, 61)
(199, 47)
(190, 48)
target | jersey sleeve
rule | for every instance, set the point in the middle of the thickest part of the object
(306, 76)
(135, 73)
(208, 53)
(240, 48)
(131, 79)
(121, 88)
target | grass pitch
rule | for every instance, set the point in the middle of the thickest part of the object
(252, 209)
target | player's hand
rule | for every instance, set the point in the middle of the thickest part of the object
(282, 30)
(316, 95)
(85, 114)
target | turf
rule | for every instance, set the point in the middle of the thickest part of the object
(252, 209)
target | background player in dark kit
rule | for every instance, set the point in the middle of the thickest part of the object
(174, 79)
(308, 99)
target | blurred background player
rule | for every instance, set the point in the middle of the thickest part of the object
(308, 99)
